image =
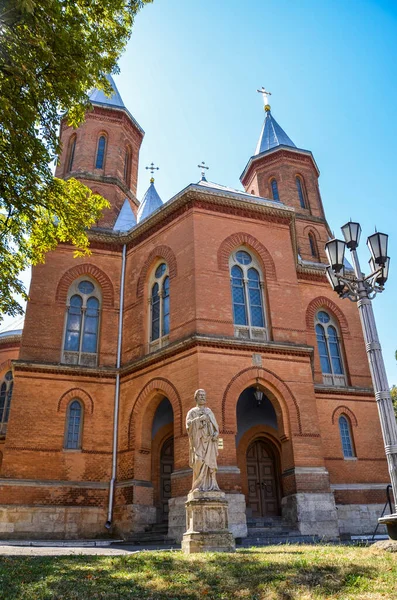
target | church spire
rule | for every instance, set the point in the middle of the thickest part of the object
(272, 135)
(151, 200)
(98, 96)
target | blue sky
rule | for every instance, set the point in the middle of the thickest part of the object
(190, 74)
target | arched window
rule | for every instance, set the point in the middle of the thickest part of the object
(82, 323)
(346, 437)
(313, 246)
(159, 306)
(273, 185)
(72, 148)
(300, 186)
(247, 296)
(5, 401)
(329, 349)
(100, 154)
(127, 166)
(74, 421)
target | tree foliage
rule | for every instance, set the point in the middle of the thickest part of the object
(51, 53)
(393, 393)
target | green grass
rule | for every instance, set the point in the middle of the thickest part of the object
(271, 573)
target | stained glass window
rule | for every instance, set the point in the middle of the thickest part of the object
(329, 349)
(73, 431)
(160, 304)
(82, 324)
(91, 319)
(345, 436)
(5, 399)
(73, 326)
(275, 195)
(166, 306)
(155, 312)
(243, 257)
(239, 300)
(100, 155)
(255, 298)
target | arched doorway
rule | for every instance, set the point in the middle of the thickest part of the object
(162, 458)
(263, 499)
(166, 468)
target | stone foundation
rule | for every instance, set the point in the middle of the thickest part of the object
(312, 514)
(132, 518)
(52, 522)
(359, 519)
(237, 516)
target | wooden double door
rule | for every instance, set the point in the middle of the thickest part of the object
(263, 488)
(166, 468)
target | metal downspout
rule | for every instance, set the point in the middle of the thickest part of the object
(108, 523)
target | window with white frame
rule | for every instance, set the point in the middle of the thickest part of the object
(329, 348)
(346, 437)
(159, 300)
(80, 346)
(74, 424)
(249, 315)
(5, 401)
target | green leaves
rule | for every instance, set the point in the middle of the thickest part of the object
(52, 52)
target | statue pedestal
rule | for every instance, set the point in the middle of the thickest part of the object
(207, 523)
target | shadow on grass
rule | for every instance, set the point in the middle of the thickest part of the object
(171, 576)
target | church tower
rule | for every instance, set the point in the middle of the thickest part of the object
(287, 174)
(103, 152)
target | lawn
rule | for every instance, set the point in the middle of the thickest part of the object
(271, 573)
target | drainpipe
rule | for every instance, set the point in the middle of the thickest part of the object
(108, 523)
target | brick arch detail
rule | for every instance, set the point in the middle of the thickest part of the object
(245, 239)
(6, 365)
(164, 387)
(86, 269)
(164, 252)
(344, 410)
(287, 409)
(324, 302)
(76, 394)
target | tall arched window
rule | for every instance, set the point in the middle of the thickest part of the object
(72, 148)
(329, 349)
(300, 186)
(346, 437)
(159, 306)
(313, 246)
(127, 166)
(100, 153)
(74, 422)
(273, 185)
(247, 296)
(82, 323)
(5, 401)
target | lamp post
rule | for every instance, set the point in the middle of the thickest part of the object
(362, 289)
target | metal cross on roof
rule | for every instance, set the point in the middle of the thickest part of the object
(202, 167)
(152, 169)
(265, 94)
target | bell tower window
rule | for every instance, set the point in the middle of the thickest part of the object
(5, 401)
(100, 155)
(300, 186)
(273, 185)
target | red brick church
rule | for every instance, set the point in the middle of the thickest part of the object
(216, 288)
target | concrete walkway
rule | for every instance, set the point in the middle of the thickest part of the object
(70, 549)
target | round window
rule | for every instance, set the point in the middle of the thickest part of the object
(243, 257)
(8, 376)
(323, 317)
(86, 287)
(160, 270)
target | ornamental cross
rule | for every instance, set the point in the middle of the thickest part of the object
(152, 168)
(265, 95)
(203, 167)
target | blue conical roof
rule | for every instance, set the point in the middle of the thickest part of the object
(272, 135)
(151, 202)
(126, 219)
(98, 96)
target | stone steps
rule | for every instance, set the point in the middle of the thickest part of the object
(277, 540)
(270, 531)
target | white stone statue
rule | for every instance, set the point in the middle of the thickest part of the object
(203, 434)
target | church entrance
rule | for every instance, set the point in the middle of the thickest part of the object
(263, 492)
(166, 468)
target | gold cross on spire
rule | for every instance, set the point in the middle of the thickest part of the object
(203, 167)
(265, 94)
(152, 169)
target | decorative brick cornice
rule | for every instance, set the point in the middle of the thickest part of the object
(60, 369)
(104, 179)
(343, 391)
